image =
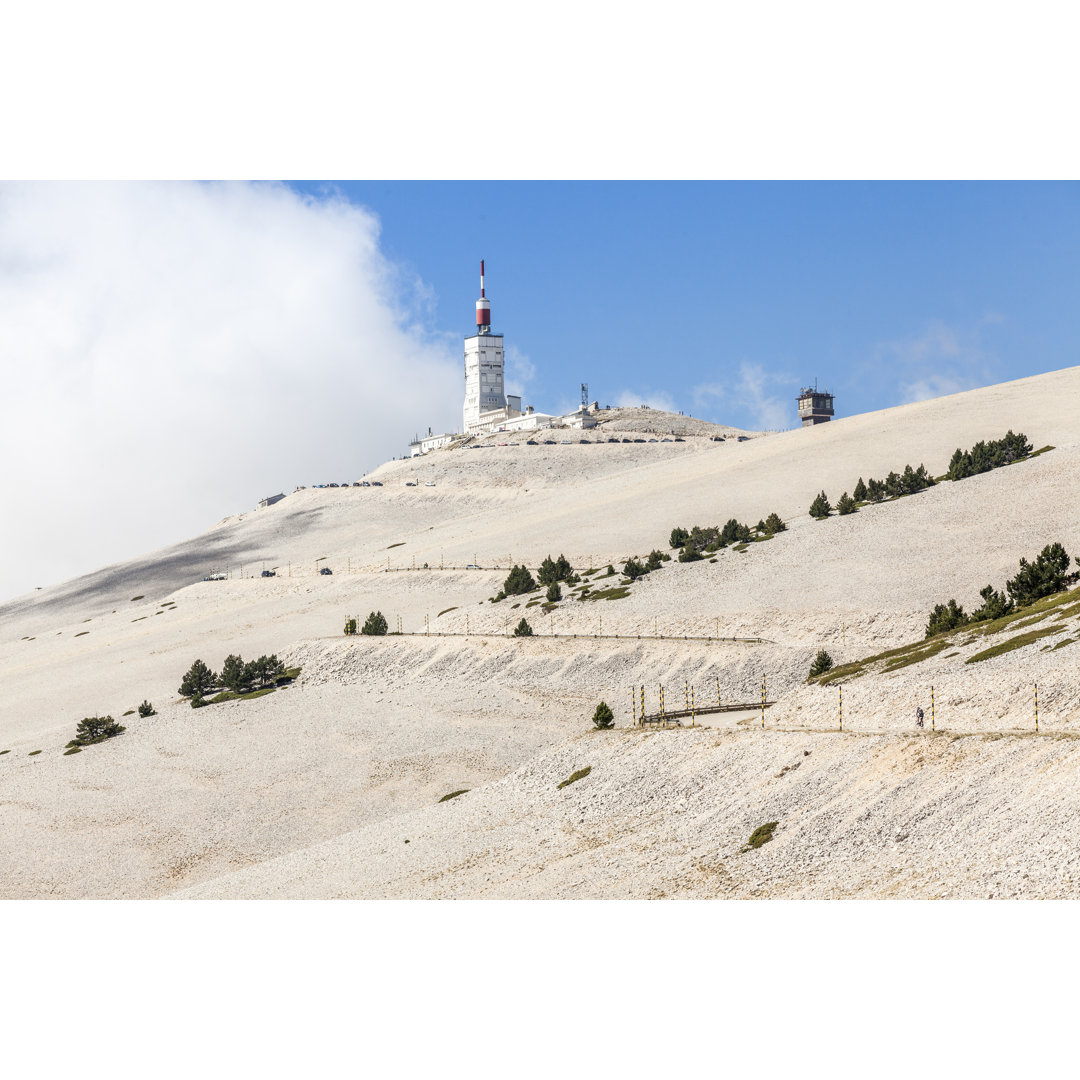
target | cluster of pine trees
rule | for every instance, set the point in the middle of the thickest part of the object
(699, 541)
(984, 456)
(236, 676)
(1048, 574)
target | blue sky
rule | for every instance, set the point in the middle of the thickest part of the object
(721, 299)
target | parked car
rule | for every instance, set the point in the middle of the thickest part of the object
(743, 438)
(585, 441)
(549, 442)
(679, 439)
(325, 570)
(216, 577)
(472, 566)
(364, 483)
(665, 440)
(531, 442)
(268, 573)
(409, 483)
(332, 485)
(429, 483)
(356, 483)
(376, 483)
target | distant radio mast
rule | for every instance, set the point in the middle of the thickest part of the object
(584, 395)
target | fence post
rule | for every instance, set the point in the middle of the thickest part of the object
(841, 706)
(466, 624)
(718, 691)
(693, 711)
(1036, 708)
(642, 702)
(427, 625)
(762, 702)
(663, 717)
(932, 719)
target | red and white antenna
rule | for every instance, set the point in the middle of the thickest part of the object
(483, 307)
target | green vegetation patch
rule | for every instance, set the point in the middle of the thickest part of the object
(400, 543)
(740, 547)
(82, 632)
(139, 597)
(5, 751)
(1041, 607)
(917, 657)
(445, 611)
(1061, 644)
(579, 775)
(617, 593)
(257, 693)
(130, 712)
(225, 695)
(454, 794)
(1041, 450)
(140, 618)
(761, 835)
(73, 750)
(33, 753)
(1011, 644)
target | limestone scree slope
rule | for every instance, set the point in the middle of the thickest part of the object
(315, 789)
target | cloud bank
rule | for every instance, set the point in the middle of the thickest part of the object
(173, 352)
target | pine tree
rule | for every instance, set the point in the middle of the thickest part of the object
(518, 582)
(146, 709)
(875, 490)
(822, 662)
(633, 569)
(860, 491)
(554, 593)
(233, 673)
(603, 717)
(774, 524)
(994, 605)
(547, 573)
(523, 629)
(690, 554)
(654, 560)
(199, 680)
(846, 504)
(375, 626)
(1045, 576)
(95, 729)
(820, 508)
(678, 537)
(945, 617)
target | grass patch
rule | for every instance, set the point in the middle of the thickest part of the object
(916, 657)
(579, 775)
(1036, 453)
(225, 695)
(5, 751)
(1061, 644)
(130, 712)
(761, 835)
(617, 593)
(140, 618)
(400, 543)
(444, 611)
(1011, 644)
(1040, 607)
(740, 547)
(257, 693)
(454, 795)
(73, 750)
(531, 603)
(948, 654)
(33, 753)
(290, 674)
(82, 632)
(139, 597)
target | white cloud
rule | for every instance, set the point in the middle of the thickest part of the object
(519, 372)
(175, 351)
(657, 399)
(943, 359)
(768, 411)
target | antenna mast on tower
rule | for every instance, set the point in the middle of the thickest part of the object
(584, 395)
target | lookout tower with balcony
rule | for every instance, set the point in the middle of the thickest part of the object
(815, 406)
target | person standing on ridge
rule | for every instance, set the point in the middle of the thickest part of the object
(919, 717)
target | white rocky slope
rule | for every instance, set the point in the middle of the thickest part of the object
(374, 731)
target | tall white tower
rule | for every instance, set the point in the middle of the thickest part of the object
(483, 365)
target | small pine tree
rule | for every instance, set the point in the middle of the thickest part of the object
(375, 625)
(350, 626)
(820, 508)
(547, 574)
(146, 709)
(95, 729)
(860, 491)
(994, 605)
(1043, 577)
(822, 662)
(654, 561)
(523, 629)
(634, 570)
(845, 504)
(945, 617)
(678, 537)
(233, 673)
(518, 581)
(875, 490)
(610, 571)
(774, 523)
(554, 593)
(198, 680)
(603, 717)
(690, 554)
(198, 701)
